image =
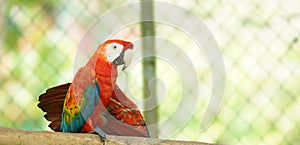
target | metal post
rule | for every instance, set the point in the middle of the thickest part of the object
(149, 64)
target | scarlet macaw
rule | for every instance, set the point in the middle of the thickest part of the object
(93, 102)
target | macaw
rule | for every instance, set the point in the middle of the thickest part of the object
(93, 102)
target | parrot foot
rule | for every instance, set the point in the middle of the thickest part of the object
(100, 133)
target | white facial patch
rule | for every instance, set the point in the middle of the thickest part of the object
(113, 50)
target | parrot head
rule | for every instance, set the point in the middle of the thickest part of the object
(118, 52)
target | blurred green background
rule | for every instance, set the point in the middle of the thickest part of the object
(259, 40)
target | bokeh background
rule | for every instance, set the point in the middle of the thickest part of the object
(259, 40)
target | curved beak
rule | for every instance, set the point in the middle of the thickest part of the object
(127, 57)
(124, 58)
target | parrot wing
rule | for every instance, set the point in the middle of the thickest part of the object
(81, 99)
(117, 127)
(124, 118)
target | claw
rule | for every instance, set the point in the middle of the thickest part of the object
(100, 133)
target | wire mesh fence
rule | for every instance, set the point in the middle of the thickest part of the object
(259, 41)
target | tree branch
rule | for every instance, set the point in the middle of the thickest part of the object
(11, 136)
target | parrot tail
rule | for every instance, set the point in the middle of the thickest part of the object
(52, 103)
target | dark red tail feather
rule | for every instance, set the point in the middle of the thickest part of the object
(52, 103)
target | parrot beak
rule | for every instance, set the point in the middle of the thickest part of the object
(127, 57)
(120, 59)
(124, 58)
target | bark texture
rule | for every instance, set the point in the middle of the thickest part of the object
(9, 136)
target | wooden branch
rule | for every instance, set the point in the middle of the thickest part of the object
(11, 136)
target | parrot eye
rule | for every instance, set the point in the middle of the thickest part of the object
(115, 47)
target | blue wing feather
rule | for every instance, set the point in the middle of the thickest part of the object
(91, 96)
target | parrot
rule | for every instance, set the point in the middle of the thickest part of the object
(93, 102)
